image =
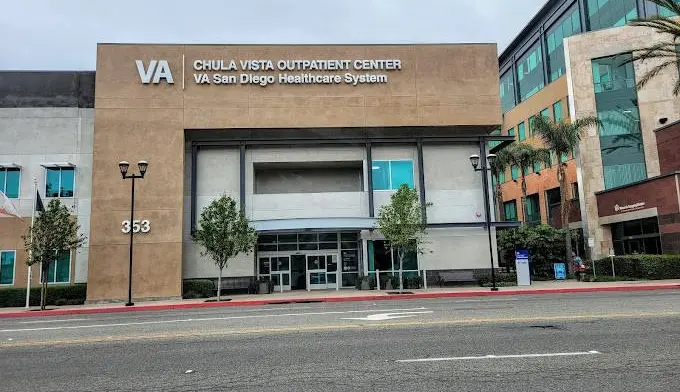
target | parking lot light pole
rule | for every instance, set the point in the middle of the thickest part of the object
(124, 166)
(485, 168)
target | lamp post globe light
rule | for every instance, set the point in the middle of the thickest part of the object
(124, 166)
(485, 168)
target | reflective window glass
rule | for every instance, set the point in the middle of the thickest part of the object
(568, 25)
(7, 259)
(603, 14)
(530, 73)
(381, 175)
(10, 181)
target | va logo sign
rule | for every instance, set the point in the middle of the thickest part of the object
(157, 70)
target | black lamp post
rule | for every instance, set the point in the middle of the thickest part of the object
(485, 168)
(124, 166)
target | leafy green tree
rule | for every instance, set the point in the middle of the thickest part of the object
(524, 156)
(224, 232)
(55, 231)
(401, 222)
(562, 138)
(666, 52)
(498, 167)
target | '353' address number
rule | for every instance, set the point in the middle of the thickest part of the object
(137, 226)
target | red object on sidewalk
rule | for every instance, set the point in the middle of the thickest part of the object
(388, 297)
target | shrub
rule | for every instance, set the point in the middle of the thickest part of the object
(501, 277)
(641, 266)
(56, 295)
(413, 282)
(545, 245)
(198, 288)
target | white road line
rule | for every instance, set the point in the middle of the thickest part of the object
(387, 316)
(593, 352)
(52, 321)
(203, 319)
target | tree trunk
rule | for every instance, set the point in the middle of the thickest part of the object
(565, 208)
(219, 286)
(524, 197)
(43, 285)
(401, 267)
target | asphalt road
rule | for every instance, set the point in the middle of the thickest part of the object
(571, 342)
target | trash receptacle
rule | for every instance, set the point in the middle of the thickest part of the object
(560, 271)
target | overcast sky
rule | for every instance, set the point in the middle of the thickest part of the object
(62, 34)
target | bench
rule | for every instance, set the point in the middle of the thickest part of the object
(237, 284)
(456, 277)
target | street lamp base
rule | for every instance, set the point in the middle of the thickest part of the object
(494, 289)
(130, 304)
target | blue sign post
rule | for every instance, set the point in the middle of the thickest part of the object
(560, 271)
(522, 267)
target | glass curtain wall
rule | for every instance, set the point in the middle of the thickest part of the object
(530, 73)
(507, 92)
(654, 9)
(623, 157)
(603, 14)
(569, 24)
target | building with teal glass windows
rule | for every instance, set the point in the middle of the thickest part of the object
(626, 171)
(524, 72)
(553, 68)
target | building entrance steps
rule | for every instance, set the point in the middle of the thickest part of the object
(346, 295)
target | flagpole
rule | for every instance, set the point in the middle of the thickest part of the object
(30, 249)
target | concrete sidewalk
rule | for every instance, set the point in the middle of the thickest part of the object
(345, 295)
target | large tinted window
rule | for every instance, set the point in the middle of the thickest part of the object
(59, 182)
(610, 13)
(510, 209)
(557, 111)
(7, 266)
(530, 73)
(566, 26)
(507, 92)
(622, 151)
(9, 182)
(390, 175)
(533, 209)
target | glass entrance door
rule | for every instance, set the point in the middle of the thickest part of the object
(297, 272)
(280, 272)
(316, 272)
(332, 272)
(322, 272)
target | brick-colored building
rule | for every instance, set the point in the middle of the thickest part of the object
(566, 60)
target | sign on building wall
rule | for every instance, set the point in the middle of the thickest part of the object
(273, 71)
(629, 207)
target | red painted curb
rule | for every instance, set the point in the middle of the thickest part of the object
(197, 305)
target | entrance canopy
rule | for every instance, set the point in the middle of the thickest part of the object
(298, 224)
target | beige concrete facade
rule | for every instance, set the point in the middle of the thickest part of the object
(436, 85)
(655, 101)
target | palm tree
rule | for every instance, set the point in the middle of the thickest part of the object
(498, 166)
(524, 156)
(563, 138)
(666, 52)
